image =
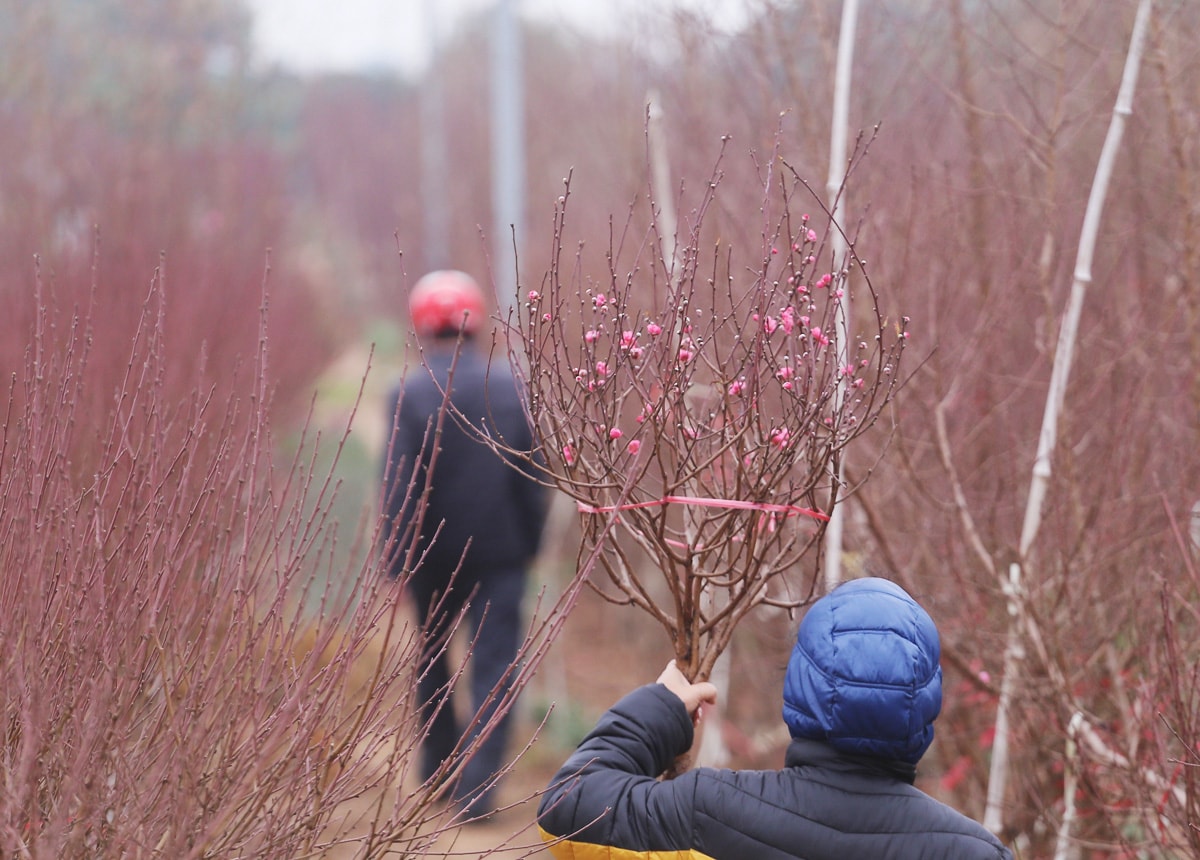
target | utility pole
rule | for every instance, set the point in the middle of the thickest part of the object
(508, 152)
(434, 173)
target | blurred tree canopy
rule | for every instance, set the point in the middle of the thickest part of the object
(123, 125)
(113, 60)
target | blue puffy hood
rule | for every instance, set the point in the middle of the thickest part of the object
(865, 675)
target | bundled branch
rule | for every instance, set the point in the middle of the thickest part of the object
(690, 404)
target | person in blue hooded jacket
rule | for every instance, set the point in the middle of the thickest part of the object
(862, 689)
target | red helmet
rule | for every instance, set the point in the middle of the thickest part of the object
(446, 302)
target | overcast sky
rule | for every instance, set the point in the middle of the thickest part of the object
(319, 35)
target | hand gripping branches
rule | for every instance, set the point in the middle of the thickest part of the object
(694, 417)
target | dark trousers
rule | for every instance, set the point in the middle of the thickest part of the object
(495, 627)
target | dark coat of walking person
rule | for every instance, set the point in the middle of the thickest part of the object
(480, 515)
(860, 694)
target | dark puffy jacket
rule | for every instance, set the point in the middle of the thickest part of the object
(823, 805)
(476, 497)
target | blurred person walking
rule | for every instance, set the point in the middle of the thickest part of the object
(480, 515)
(862, 689)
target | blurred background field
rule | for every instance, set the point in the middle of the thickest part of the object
(152, 144)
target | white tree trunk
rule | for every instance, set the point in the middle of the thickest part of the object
(837, 174)
(1064, 351)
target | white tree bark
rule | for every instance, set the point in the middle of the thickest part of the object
(1064, 351)
(833, 188)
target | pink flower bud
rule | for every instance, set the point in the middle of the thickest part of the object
(615, 433)
(653, 329)
(634, 446)
(591, 335)
(811, 235)
(568, 455)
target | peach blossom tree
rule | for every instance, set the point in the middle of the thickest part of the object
(688, 402)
